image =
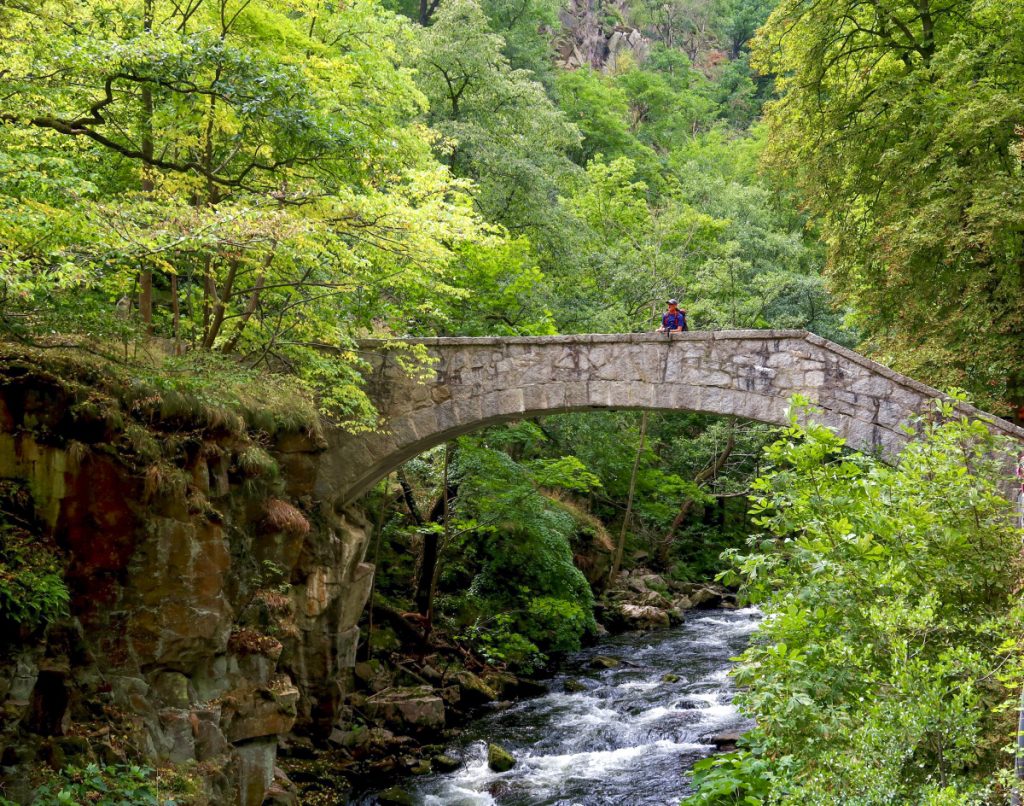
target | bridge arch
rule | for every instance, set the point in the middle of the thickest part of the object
(751, 374)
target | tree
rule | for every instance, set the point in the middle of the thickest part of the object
(891, 632)
(257, 167)
(499, 127)
(639, 252)
(898, 121)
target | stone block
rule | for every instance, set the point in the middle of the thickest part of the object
(178, 743)
(355, 593)
(416, 709)
(347, 642)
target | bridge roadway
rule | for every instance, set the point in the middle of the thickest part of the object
(752, 374)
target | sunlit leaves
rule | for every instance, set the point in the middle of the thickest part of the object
(888, 593)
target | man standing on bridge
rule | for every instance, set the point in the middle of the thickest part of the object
(674, 320)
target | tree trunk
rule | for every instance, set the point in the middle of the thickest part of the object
(378, 534)
(620, 547)
(707, 472)
(409, 498)
(1018, 756)
(176, 313)
(426, 580)
(146, 146)
(220, 305)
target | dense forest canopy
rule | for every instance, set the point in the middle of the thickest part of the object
(227, 194)
(257, 179)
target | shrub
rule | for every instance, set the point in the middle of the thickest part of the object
(121, 785)
(891, 637)
(555, 624)
(32, 589)
(496, 641)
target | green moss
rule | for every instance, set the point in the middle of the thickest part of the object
(199, 391)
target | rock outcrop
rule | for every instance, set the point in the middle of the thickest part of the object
(643, 600)
(591, 39)
(213, 602)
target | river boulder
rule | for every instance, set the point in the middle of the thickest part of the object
(473, 690)
(499, 759)
(706, 598)
(395, 796)
(416, 708)
(443, 763)
(605, 662)
(639, 617)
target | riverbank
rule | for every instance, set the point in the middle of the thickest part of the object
(409, 706)
(604, 732)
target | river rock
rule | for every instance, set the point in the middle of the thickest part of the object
(395, 796)
(416, 708)
(726, 740)
(443, 763)
(670, 678)
(499, 759)
(574, 686)
(706, 598)
(605, 662)
(474, 691)
(642, 617)
(507, 686)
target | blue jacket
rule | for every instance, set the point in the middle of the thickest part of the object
(671, 321)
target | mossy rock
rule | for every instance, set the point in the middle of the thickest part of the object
(422, 767)
(443, 763)
(574, 686)
(395, 796)
(474, 690)
(670, 678)
(605, 662)
(499, 759)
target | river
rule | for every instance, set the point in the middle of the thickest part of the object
(627, 738)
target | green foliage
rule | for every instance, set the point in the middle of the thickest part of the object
(565, 472)
(500, 128)
(121, 785)
(741, 778)
(901, 125)
(523, 565)
(497, 642)
(557, 624)
(32, 589)
(890, 631)
(260, 172)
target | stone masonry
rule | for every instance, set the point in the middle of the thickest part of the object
(747, 373)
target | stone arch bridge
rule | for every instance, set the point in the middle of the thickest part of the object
(751, 374)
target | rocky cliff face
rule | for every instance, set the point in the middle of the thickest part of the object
(214, 600)
(593, 36)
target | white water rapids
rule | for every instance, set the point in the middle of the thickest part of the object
(628, 738)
